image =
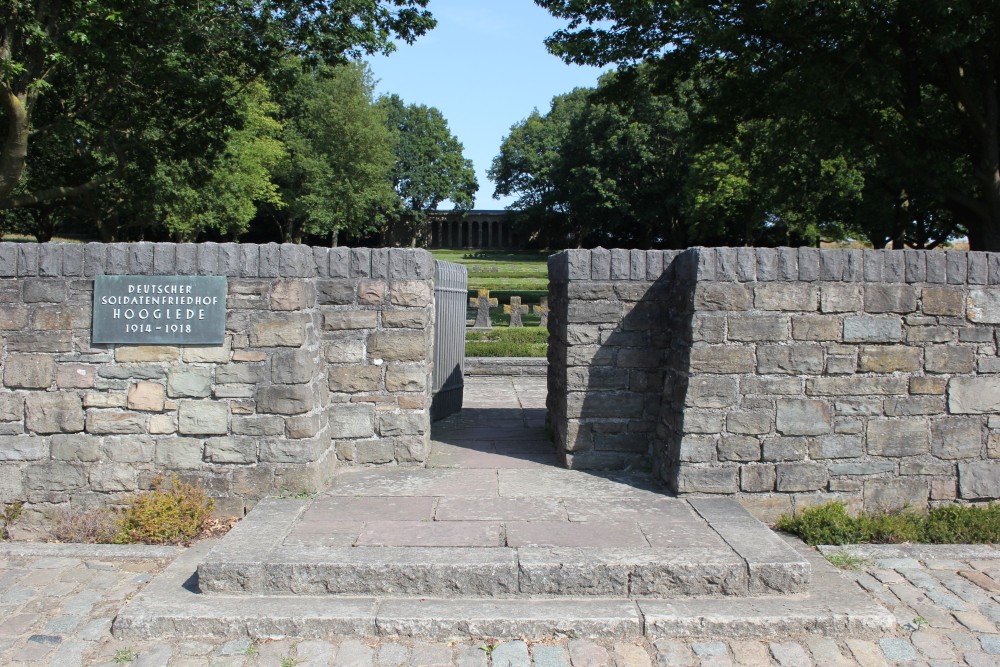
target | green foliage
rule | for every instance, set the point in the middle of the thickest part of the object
(335, 174)
(951, 524)
(124, 655)
(846, 561)
(429, 168)
(884, 111)
(507, 342)
(174, 512)
(12, 513)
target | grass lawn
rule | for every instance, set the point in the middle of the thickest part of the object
(505, 274)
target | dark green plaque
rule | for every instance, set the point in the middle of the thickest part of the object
(155, 310)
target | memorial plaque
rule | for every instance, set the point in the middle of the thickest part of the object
(155, 310)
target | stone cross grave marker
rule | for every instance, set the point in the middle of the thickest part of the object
(515, 309)
(482, 304)
(542, 310)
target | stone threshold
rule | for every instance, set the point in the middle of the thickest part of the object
(171, 607)
(750, 560)
(506, 366)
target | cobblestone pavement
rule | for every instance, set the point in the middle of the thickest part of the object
(57, 603)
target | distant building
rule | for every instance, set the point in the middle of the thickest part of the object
(474, 229)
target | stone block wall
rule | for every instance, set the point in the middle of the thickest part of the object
(325, 360)
(793, 376)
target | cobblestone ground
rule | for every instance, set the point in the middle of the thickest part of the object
(56, 609)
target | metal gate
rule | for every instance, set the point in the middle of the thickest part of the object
(451, 290)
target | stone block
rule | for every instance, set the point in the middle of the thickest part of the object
(23, 448)
(890, 298)
(113, 422)
(721, 359)
(406, 319)
(708, 480)
(889, 359)
(785, 296)
(836, 447)
(354, 379)
(914, 405)
(113, 478)
(414, 293)
(979, 480)
(344, 351)
(406, 377)
(293, 399)
(60, 318)
(42, 290)
(758, 328)
(748, 423)
(75, 447)
(75, 376)
(599, 404)
(579, 266)
(739, 448)
(782, 386)
(189, 382)
(886, 495)
(240, 373)
(344, 292)
(803, 417)
(293, 366)
(47, 413)
(942, 301)
(283, 331)
(974, 395)
(399, 346)
(897, 437)
(202, 418)
(929, 334)
(54, 476)
(856, 386)
(351, 421)
(711, 392)
(13, 318)
(697, 449)
(800, 477)
(162, 424)
(957, 437)
(702, 422)
(708, 328)
(836, 298)
(983, 306)
(808, 263)
(790, 359)
(757, 478)
(346, 320)
(935, 386)
(28, 371)
(11, 407)
(374, 451)
(179, 453)
(208, 354)
(817, 327)
(867, 329)
(722, 296)
(49, 341)
(146, 397)
(132, 354)
(396, 424)
(303, 426)
(258, 425)
(594, 312)
(950, 359)
(785, 449)
(128, 449)
(231, 450)
(944, 489)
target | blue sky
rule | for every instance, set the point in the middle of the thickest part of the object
(485, 67)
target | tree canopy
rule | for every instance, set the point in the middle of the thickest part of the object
(897, 102)
(101, 88)
(429, 168)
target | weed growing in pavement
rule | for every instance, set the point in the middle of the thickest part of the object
(251, 650)
(489, 646)
(172, 513)
(950, 524)
(846, 561)
(124, 655)
(10, 515)
(289, 662)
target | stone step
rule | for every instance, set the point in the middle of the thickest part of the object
(726, 552)
(172, 606)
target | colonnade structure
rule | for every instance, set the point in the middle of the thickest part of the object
(474, 229)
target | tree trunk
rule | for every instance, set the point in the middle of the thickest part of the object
(15, 147)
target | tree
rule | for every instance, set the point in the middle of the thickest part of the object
(429, 168)
(910, 91)
(123, 84)
(335, 175)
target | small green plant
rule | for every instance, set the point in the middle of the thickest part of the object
(251, 650)
(12, 512)
(951, 524)
(846, 561)
(124, 655)
(172, 513)
(289, 662)
(299, 495)
(489, 646)
(97, 526)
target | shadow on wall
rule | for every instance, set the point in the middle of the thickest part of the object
(620, 333)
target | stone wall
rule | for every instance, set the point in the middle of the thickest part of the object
(790, 376)
(325, 361)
